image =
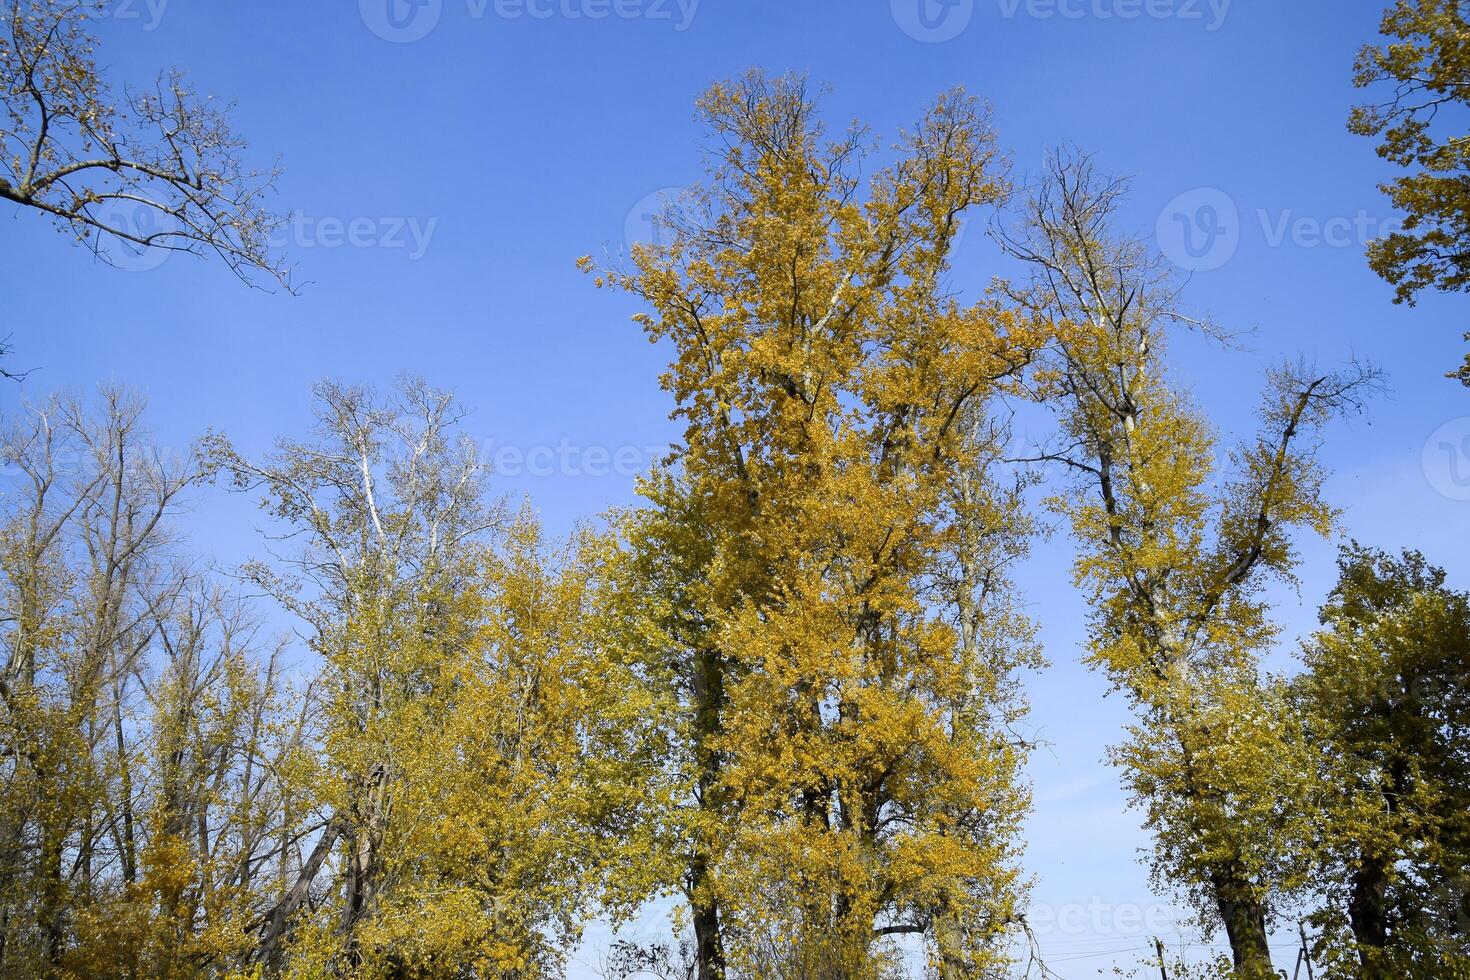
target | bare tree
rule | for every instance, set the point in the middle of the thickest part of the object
(159, 169)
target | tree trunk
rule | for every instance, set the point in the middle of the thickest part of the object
(1368, 899)
(1245, 926)
(1368, 917)
(708, 697)
(273, 928)
(51, 914)
(949, 938)
(708, 946)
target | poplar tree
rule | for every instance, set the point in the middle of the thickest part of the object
(826, 547)
(1173, 555)
(478, 760)
(143, 721)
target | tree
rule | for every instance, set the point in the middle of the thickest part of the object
(162, 170)
(140, 728)
(1386, 704)
(206, 819)
(824, 553)
(1171, 564)
(478, 750)
(1425, 74)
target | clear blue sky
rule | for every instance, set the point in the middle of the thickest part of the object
(516, 135)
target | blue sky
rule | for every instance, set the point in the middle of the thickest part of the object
(448, 163)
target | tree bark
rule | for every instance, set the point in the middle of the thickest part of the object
(708, 690)
(949, 938)
(1368, 917)
(274, 926)
(709, 946)
(1245, 927)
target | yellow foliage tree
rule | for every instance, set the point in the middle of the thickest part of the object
(1172, 562)
(825, 550)
(1424, 72)
(480, 755)
(141, 729)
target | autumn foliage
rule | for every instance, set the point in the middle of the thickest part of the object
(784, 689)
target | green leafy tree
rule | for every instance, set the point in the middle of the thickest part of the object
(1386, 702)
